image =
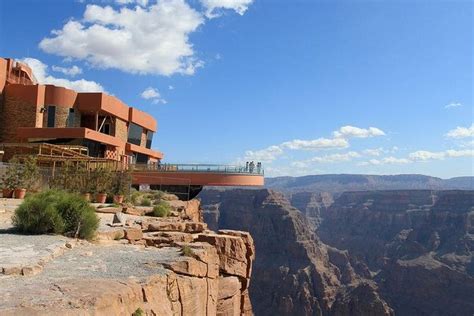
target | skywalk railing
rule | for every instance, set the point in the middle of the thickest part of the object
(199, 168)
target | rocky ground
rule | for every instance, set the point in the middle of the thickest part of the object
(163, 266)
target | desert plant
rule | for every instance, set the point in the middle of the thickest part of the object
(121, 182)
(145, 202)
(187, 251)
(162, 209)
(138, 312)
(38, 215)
(56, 212)
(29, 173)
(101, 179)
(11, 178)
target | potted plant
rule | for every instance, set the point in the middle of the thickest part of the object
(121, 185)
(28, 176)
(9, 182)
(14, 180)
(102, 179)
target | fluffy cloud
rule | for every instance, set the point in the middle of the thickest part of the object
(213, 7)
(333, 158)
(143, 3)
(68, 71)
(148, 38)
(40, 70)
(453, 105)
(320, 143)
(264, 155)
(384, 161)
(151, 40)
(423, 155)
(339, 141)
(461, 132)
(351, 131)
(153, 95)
(450, 153)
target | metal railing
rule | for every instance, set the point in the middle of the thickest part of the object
(199, 168)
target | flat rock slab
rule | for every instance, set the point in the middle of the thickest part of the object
(29, 251)
(84, 264)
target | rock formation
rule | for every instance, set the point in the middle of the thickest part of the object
(294, 272)
(418, 244)
(406, 250)
(161, 266)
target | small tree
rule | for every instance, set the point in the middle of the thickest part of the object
(29, 173)
(122, 181)
(101, 178)
(11, 178)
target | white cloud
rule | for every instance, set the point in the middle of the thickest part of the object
(170, 87)
(373, 152)
(40, 70)
(143, 3)
(424, 155)
(264, 155)
(214, 7)
(461, 132)
(453, 105)
(352, 131)
(335, 157)
(68, 71)
(340, 141)
(320, 143)
(460, 153)
(153, 95)
(384, 161)
(151, 40)
(147, 38)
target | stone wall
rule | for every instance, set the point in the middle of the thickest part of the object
(16, 113)
(121, 129)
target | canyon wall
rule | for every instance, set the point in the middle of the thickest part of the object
(368, 252)
(294, 272)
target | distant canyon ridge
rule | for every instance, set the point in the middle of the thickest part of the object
(355, 244)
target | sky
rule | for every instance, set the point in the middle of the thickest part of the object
(305, 87)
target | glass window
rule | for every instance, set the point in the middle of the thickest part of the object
(149, 139)
(70, 118)
(51, 115)
(134, 134)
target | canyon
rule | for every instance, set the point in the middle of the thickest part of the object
(331, 252)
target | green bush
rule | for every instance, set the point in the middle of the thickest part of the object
(161, 210)
(138, 312)
(56, 212)
(187, 251)
(146, 202)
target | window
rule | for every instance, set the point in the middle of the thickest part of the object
(70, 118)
(134, 134)
(105, 128)
(149, 139)
(51, 115)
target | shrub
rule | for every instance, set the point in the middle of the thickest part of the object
(187, 251)
(56, 212)
(138, 312)
(79, 216)
(161, 210)
(38, 214)
(146, 202)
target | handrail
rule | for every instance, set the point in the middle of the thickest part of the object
(199, 168)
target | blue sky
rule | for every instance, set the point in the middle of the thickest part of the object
(307, 87)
